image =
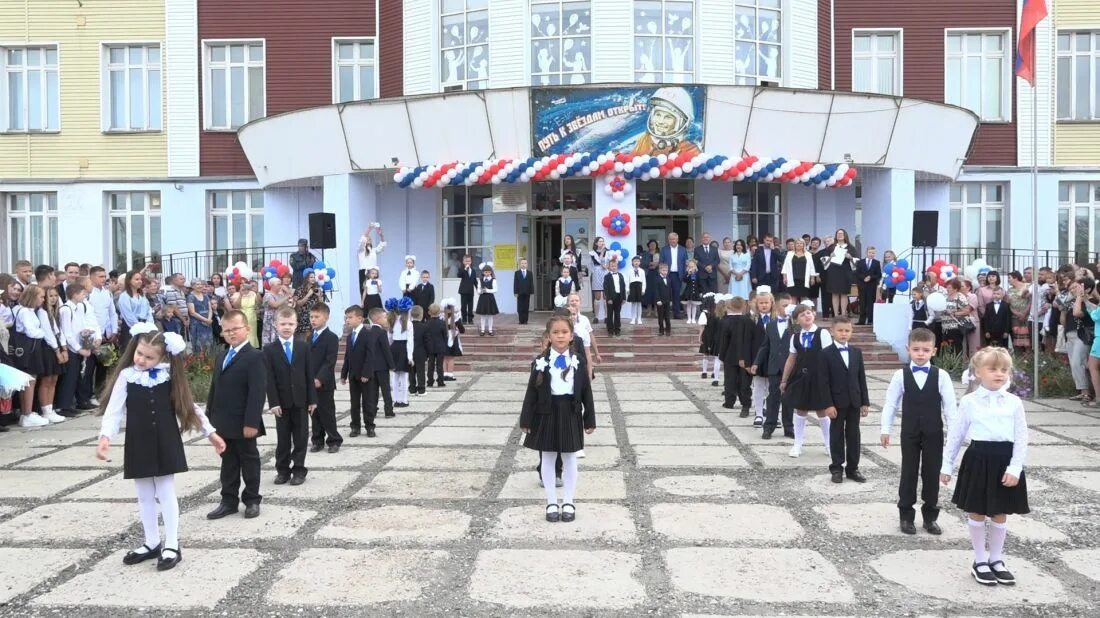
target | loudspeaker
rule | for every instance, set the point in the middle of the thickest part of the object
(926, 224)
(322, 230)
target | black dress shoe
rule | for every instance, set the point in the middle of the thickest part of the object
(728, 406)
(857, 476)
(767, 434)
(430, 385)
(1002, 574)
(281, 479)
(335, 448)
(552, 513)
(134, 557)
(420, 391)
(788, 434)
(251, 511)
(568, 515)
(85, 406)
(704, 376)
(744, 412)
(371, 434)
(316, 448)
(933, 528)
(908, 527)
(986, 577)
(69, 413)
(838, 476)
(714, 383)
(354, 433)
(297, 480)
(449, 378)
(170, 560)
(390, 414)
(221, 511)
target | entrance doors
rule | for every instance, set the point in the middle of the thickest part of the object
(658, 227)
(547, 233)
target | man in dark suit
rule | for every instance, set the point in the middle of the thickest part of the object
(614, 293)
(291, 397)
(823, 256)
(235, 405)
(324, 344)
(424, 292)
(379, 364)
(72, 273)
(467, 284)
(707, 258)
(766, 263)
(663, 298)
(676, 256)
(868, 275)
(850, 401)
(355, 372)
(523, 286)
(997, 321)
(769, 362)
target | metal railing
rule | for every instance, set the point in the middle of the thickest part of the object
(202, 264)
(1003, 261)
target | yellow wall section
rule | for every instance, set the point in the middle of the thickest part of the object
(79, 34)
(1076, 12)
(1076, 143)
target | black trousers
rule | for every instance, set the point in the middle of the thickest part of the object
(69, 382)
(844, 440)
(324, 420)
(664, 325)
(826, 300)
(467, 303)
(774, 404)
(292, 429)
(361, 412)
(416, 376)
(921, 455)
(380, 381)
(523, 307)
(867, 292)
(362, 281)
(677, 306)
(241, 459)
(435, 369)
(614, 316)
(93, 380)
(737, 384)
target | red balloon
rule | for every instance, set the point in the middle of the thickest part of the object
(614, 211)
(236, 271)
(626, 230)
(283, 270)
(626, 217)
(606, 221)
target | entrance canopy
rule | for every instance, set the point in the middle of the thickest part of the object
(741, 122)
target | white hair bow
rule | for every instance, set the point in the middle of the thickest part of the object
(561, 302)
(764, 289)
(790, 310)
(141, 328)
(484, 265)
(410, 257)
(174, 343)
(808, 303)
(447, 302)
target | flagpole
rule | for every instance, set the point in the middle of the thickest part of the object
(1035, 224)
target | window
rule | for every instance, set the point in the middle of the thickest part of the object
(566, 194)
(756, 209)
(31, 96)
(234, 84)
(1079, 219)
(467, 226)
(757, 33)
(32, 228)
(976, 74)
(355, 72)
(876, 61)
(664, 37)
(977, 217)
(1079, 75)
(133, 88)
(665, 195)
(561, 42)
(464, 44)
(135, 229)
(236, 222)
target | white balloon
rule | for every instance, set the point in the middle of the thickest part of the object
(841, 170)
(619, 166)
(662, 159)
(937, 301)
(618, 197)
(524, 178)
(831, 182)
(601, 159)
(971, 272)
(397, 177)
(628, 167)
(804, 178)
(538, 165)
(822, 184)
(677, 172)
(672, 156)
(607, 189)
(569, 161)
(688, 167)
(555, 175)
(757, 166)
(980, 263)
(418, 183)
(709, 175)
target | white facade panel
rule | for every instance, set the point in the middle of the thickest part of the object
(420, 49)
(715, 41)
(1044, 96)
(507, 44)
(181, 64)
(612, 41)
(800, 51)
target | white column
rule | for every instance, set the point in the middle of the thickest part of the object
(352, 199)
(507, 34)
(889, 198)
(181, 72)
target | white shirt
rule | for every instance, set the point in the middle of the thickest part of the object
(355, 332)
(558, 384)
(843, 349)
(53, 336)
(583, 329)
(674, 264)
(115, 412)
(896, 391)
(826, 338)
(370, 286)
(76, 318)
(403, 333)
(408, 280)
(105, 313)
(368, 261)
(615, 279)
(767, 260)
(781, 326)
(996, 306)
(282, 344)
(993, 416)
(27, 322)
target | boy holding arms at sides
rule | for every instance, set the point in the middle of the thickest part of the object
(355, 369)
(927, 397)
(848, 388)
(378, 365)
(323, 346)
(291, 397)
(523, 286)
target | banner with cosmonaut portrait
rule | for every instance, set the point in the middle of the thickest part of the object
(635, 120)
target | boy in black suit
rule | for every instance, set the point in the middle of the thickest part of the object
(435, 345)
(424, 292)
(850, 401)
(868, 274)
(734, 342)
(614, 292)
(291, 397)
(523, 286)
(355, 369)
(467, 283)
(997, 321)
(420, 350)
(379, 364)
(769, 362)
(324, 345)
(664, 301)
(235, 405)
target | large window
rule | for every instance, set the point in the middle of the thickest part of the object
(756, 209)
(236, 222)
(32, 228)
(757, 57)
(31, 96)
(876, 61)
(354, 70)
(976, 75)
(467, 226)
(233, 88)
(464, 44)
(977, 216)
(664, 41)
(558, 195)
(561, 42)
(1079, 219)
(1079, 75)
(135, 229)
(132, 101)
(662, 194)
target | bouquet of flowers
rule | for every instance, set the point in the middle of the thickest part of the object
(88, 339)
(107, 355)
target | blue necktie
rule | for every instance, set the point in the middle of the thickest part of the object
(807, 339)
(316, 334)
(154, 372)
(560, 363)
(228, 358)
(286, 350)
(353, 339)
(765, 319)
(920, 369)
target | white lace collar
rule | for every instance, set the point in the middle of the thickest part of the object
(134, 375)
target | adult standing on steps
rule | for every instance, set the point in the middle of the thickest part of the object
(676, 257)
(368, 253)
(707, 258)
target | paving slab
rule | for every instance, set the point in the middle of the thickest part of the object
(356, 457)
(117, 488)
(661, 420)
(399, 524)
(476, 420)
(434, 485)
(1062, 456)
(596, 522)
(1062, 419)
(699, 485)
(823, 484)
(748, 574)
(201, 455)
(1084, 561)
(675, 435)
(945, 574)
(1082, 479)
(724, 523)
(1088, 433)
(411, 416)
(462, 436)
(486, 407)
(69, 522)
(881, 519)
(319, 485)
(53, 435)
(591, 485)
(11, 453)
(23, 569)
(276, 521)
(76, 457)
(42, 483)
(657, 456)
(677, 407)
(439, 458)
(650, 394)
(319, 577)
(813, 455)
(604, 580)
(595, 457)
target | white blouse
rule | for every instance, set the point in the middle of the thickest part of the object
(116, 406)
(27, 322)
(989, 416)
(54, 337)
(558, 384)
(632, 276)
(408, 280)
(400, 333)
(371, 287)
(368, 261)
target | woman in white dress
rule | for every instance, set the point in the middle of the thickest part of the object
(740, 282)
(724, 255)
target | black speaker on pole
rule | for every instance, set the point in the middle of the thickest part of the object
(926, 225)
(322, 230)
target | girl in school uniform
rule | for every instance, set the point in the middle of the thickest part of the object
(804, 385)
(401, 348)
(55, 355)
(763, 314)
(409, 278)
(635, 285)
(33, 355)
(150, 392)
(372, 291)
(486, 307)
(565, 285)
(558, 410)
(455, 330)
(709, 321)
(597, 258)
(692, 293)
(991, 481)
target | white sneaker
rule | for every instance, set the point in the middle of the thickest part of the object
(580, 454)
(32, 420)
(54, 417)
(796, 451)
(93, 401)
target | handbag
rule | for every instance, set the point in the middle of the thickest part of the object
(1060, 340)
(967, 326)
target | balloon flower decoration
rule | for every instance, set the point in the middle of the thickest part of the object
(275, 270)
(322, 274)
(618, 248)
(898, 275)
(977, 268)
(944, 271)
(616, 223)
(238, 272)
(617, 187)
(398, 305)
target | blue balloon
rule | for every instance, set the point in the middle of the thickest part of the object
(910, 274)
(903, 263)
(888, 267)
(318, 265)
(327, 286)
(903, 286)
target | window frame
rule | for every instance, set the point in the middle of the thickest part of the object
(486, 216)
(51, 255)
(106, 110)
(1067, 208)
(757, 78)
(356, 64)
(778, 216)
(5, 96)
(1007, 72)
(984, 206)
(204, 48)
(663, 74)
(249, 212)
(560, 74)
(1094, 66)
(128, 214)
(464, 83)
(899, 57)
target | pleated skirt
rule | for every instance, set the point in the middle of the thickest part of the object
(561, 431)
(400, 352)
(979, 489)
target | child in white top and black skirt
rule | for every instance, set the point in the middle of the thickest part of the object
(486, 309)
(992, 482)
(635, 285)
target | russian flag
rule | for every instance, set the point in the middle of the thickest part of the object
(1033, 12)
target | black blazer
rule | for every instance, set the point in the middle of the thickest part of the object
(997, 324)
(289, 385)
(420, 341)
(355, 357)
(322, 356)
(237, 393)
(467, 280)
(424, 295)
(735, 339)
(772, 355)
(379, 357)
(664, 290)
(609, 287)
(435, 338)
(523, 285)
(538, 400)
(706, 258)
(61, 292)
(874, 272)
(847, 384)
(757, 268)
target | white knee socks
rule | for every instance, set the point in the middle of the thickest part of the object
(400, 386)
(568, 477)
(977, 539)
(759, 394)
(549, 459)
(717, 365)
(997, 534)
(636, 313)
(601, 309)
(825, 422)
(799, 430)
(147, 508)
(151, 490)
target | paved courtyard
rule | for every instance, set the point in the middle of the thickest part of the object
(682, 511)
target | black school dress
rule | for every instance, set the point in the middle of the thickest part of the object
(399, 349)
(557, 422)
(634, 295)
(153, 443)
(692, 290)
(708, 341)
(807, 388)
(487, 301)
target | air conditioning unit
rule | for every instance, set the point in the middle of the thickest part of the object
(454, 88)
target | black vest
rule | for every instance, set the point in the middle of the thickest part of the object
(153, 444)
(921, 408)
(920, 315)
(564, 289)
